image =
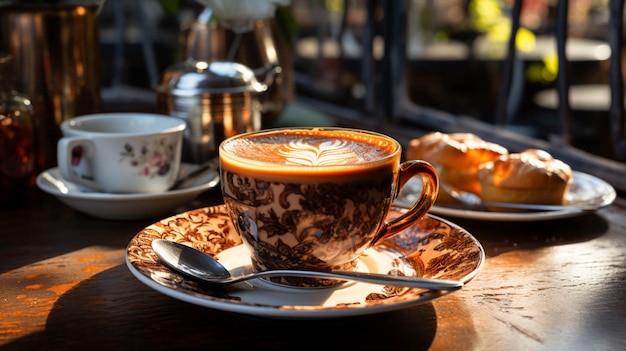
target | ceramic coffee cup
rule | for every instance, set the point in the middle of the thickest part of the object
(121, 152)
(317, 198)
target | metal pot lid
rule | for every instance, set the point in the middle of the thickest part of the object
(201, 77)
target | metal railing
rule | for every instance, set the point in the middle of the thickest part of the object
(384, 104)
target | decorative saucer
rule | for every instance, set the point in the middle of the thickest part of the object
(127, 206)
(433, 248)
(585, 190)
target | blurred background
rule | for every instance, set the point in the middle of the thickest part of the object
(452, 59)
(404, 67)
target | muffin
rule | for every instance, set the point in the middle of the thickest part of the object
(456, 157)
(531, 176)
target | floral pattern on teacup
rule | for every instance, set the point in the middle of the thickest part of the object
(77, 155)
(153, 159)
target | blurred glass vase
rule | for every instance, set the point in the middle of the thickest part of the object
(56, 60)
(17, 144)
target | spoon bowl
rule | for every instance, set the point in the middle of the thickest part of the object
(204, 269)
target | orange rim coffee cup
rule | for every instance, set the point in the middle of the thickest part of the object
(317, 198)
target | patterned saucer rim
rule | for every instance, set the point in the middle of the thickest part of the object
(434, 247)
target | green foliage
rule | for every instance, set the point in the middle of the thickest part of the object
(287, 23)
(170, 6)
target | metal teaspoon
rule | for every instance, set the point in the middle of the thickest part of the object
(202, 169)
(203, 268)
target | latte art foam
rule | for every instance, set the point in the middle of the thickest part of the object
(332, 152)
(312, 148)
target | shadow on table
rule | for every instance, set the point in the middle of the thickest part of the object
(115, 311)
(46, 228)
(500, 237)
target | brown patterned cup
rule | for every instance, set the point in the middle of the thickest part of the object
(316, 198)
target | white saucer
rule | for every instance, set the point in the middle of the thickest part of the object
(585, 190)
(433, 248)
(126, 206)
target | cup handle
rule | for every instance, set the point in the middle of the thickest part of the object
(69, 161)
(430, 189)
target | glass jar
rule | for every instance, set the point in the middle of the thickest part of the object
(17, 149)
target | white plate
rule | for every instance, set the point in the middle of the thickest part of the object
(432, 248)
(585, 190)
(126, 206)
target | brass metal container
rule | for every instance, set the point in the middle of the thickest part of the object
(217, 99)
(204, 39)
(55, 49)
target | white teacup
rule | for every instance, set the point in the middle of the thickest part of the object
(121, 152)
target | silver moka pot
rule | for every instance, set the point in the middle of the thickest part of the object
(217, 99)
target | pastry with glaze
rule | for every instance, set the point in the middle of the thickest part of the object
(531, 176)
(456, 156)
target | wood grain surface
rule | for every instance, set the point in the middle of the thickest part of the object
(553, 285)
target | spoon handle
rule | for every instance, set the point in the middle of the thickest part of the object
(490, 206)
(472, 201)
(541, 207)
(212, 164)
(375, 278)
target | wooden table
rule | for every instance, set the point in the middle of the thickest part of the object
(554, 285)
